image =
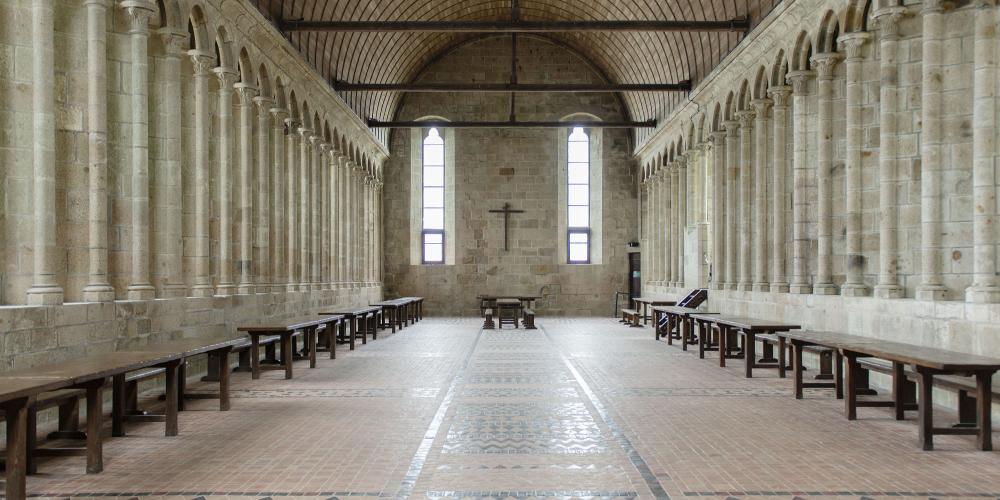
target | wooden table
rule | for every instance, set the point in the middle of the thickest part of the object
(679, 316)
(508, 305)
(489, 301)
(355, 316)
(415, 308)
(927, 362)
(393, 307)
(642, 303)
(286, 329)
(749, 328)
(17, 393)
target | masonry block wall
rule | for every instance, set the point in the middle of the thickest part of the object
(169, 169)
(533, 264)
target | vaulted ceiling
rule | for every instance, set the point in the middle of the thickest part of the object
(623, 57)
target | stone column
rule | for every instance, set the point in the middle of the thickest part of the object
(244, 212)
(305, 157)
(227, 78)
(324, 215)
(666, 238)
(682, 187)
(931, 137)
(98, 288)
(167, 189)
(262, 206)
(139, 12)
(760, 283)
(779, 95)
(292, 205)
(800, 181)
(313, 220)
(342, 220)
(644, 227)
(201, 282)
(888, 279)
(331, 241)
(719, 209)
(852, 43)
(985, 285)
(746, 171)
(653, 224)
(825, 65)
(279, 179)
(379, 227)
(730, 223)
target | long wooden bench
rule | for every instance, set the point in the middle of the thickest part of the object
(488, 323)
(287, 329)
(732, 329)
(528, 319)
(359, 323)
(631, 317)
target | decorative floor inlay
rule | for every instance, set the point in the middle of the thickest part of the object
(530, 428)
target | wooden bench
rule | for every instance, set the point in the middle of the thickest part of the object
(488, 321)
(68, 402)
(631, 317)
(735, 328)
(359, 323)
(529, 319)
(286, 330)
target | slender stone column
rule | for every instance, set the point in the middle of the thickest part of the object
(645, 187)
(730, 223)
(292, 208)
(244, 212)
(139, 12)
(852, 43)
(667, 240)
(675, 225)
(324, 216)
(305, 159)
(653, 225)
(98, 288)
(349, 222)
(167, 191)
(682, 187)
(825, 65)
(313, 220)
(368, 228)
(342, 219)
(888, 279)
(201, 282)
(779, 95)
(379, 227)
(262, 206)
(931, 149)
(719, 209)
(760, 283)
(279, 268)
(800, 181)
(331, 241)
(985, 285)
(227, 78)
(746, 171)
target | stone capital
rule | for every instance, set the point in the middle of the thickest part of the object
(305, 132)
(227, 78)
(173, 41)
(853, 43)
(718, 137)
(279, 114)
(732, 127)
(760, 106)
(887, 20)
(96, 3)
(746, 118)
(934, 7)
(139, 13)
(800, 80)
(263, 104)
(202, 61)
(779, 94)
(245, 92)
(825, 63)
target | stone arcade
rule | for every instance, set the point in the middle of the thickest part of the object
(798, 197)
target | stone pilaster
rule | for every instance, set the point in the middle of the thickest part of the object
(853, 44)
(653, 214)
(292, 205)
(305, 162)
(746, 171)
(139, 12)
(224, 179)
(718, 209)
(645, 187)
(760, 283)
(167, 191)
(682, 187)
(888, 25)
(342, 219)
(244, 212)
(262, 206)
(931, 149)
(779, 173)
(278, 213)
(313, 212)
(98, 289)
(324, 216)
(800, 181)
(985, 285)
(825, 65)
(730, 222)
(666, 225)
(674, 223)
(201, 281)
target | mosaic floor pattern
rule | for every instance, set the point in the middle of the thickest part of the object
(581, 408)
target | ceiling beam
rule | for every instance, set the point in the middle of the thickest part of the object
(507, 124)
(504, 26)
(512, 87)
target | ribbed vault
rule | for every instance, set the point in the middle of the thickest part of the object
(624, 57)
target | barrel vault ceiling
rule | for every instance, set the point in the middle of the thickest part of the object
(623, 57)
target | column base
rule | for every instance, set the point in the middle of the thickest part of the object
(779, 287)
(825, 289)
(717, 286)
(202, 291)
(853, 290)
(45, 295)
(800, 289)
(140, 292)
(291, 287)
(244, 289)
(225, 289)
(982, 294)
(173, 291)
(98, 292)
(761, 287)
(888, 291)
(744, 287)
(931, 292)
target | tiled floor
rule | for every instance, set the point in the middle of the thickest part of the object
(578, 408)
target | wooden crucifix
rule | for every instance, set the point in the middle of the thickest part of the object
(506, 211)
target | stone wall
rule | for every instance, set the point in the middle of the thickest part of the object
(533, 264)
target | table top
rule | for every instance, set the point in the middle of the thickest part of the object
(518, 297)
(929, 357)
(13, 387)
(394, 302)
(509, 302)
(189, 347)
(654, 301)
(350, 313)
(96, 366)
(745, 323)
(288, 325)
(680, 311)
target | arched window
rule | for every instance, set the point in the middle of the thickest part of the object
(433, 196)
(578, 197)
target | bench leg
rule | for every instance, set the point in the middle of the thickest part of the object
(984, 396)
(851, 399)
(118, 402)
(95, 415)
(212, 371)
(270, 353)
(925, 409)
(69, 416)
(838, 377)
(781, 357)
(223, 360)
(797, 368)
(749, 353)
(172, 370)
(898, 389)
(311, 339)
(288, 353)
(17, 447)
(723, 345)
(32, 433)
(254, 357)
(825, 366)
(181, 384)
(354, 331)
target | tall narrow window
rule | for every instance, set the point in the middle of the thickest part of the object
(432, 234)
(578, 197)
